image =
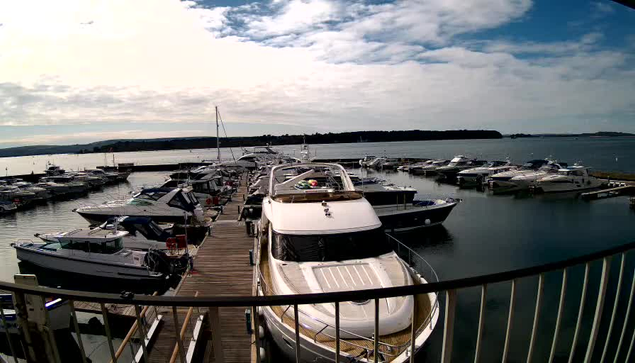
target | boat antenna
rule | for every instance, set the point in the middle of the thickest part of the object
(225, 132)
(217, 135)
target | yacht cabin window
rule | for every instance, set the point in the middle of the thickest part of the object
(108, 247)
(330, 247)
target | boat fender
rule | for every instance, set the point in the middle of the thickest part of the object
(127, 295)
(261, 332)
(263, 354)
(427, 222)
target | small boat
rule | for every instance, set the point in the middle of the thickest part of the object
(571, 179)
(168, 205)
(75, 187)
(389, 164)
(417, 168)
(379, 193)
(53, 170)
(142, 233)
(7, 206)
(431, 169)
(110, 178)
(363, 162)
(478, 175)
(449, 172)
(99, 253)
(320, 235)
(418, 214)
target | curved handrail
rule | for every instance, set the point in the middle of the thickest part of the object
(319, 298)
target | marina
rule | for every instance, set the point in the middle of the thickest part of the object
(232, 262)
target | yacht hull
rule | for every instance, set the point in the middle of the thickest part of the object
(84, 267)
(396, 218)
(99, 217)
(312, 351)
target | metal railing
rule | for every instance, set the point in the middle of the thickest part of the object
(615, 342)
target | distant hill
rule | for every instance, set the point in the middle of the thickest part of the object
(586, 134)
(210, 142)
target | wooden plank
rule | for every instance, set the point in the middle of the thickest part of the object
(221, 267)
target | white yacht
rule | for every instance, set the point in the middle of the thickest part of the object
(318, 234)
(523, 177)
(479, 174)
(98, 253)
(431, 168)
(569, 179)
(161, 204)
(7, 206)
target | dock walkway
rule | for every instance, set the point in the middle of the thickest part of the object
(221, 267)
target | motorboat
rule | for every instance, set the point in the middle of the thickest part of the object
(431, 169)
(93, 181)
(457, 164)
(570, 179)
(318, 234)
(53, 170)
(74, 187)
(207, 191)
(56, 190)
(523, 178)
(417, 168)
(41, 194)
(379, 193)
(251, 157)
(478, 175)
(390, 164)
(142, 233)
(418, 214)
(169, 205)
(363, 162)
(109, 177)
(99, 253)
(7, 206)
(16, 195)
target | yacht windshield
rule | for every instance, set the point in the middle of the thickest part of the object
(330, 247)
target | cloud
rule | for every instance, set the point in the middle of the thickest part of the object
(326, 64)
(603, 7)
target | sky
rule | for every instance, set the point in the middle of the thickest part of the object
(82, 71)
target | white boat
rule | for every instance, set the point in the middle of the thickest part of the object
(7, 206)
(574, 178)
(318, 234)
(98, 253)
(418, 214)
(142, 233)
(363, 162)
(523, 177)
(479, 174)
(169, 205)
(431, 169)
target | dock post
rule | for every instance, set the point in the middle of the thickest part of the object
(214, 322)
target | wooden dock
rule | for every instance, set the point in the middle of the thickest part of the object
(221, 267)
(609, 193)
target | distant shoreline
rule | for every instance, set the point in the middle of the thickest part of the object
(189, 143)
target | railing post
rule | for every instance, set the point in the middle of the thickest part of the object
(606, 267)
(175, 317)
(256, 321)
(481, 324)
(448, 329)
(23, 321)
(104, 314)
(413, 329)
(214, 322)
(628, 314)
(337, 332)
(296, 322)
(376, 333)
(580, 311)
(142, 332)
(556, 330)
(510, 318)
(534, 329)
(615, 303)
(6, 329)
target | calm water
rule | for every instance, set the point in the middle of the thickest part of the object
(609, 154)
(484, 234)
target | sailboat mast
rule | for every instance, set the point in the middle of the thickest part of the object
(217, 135)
